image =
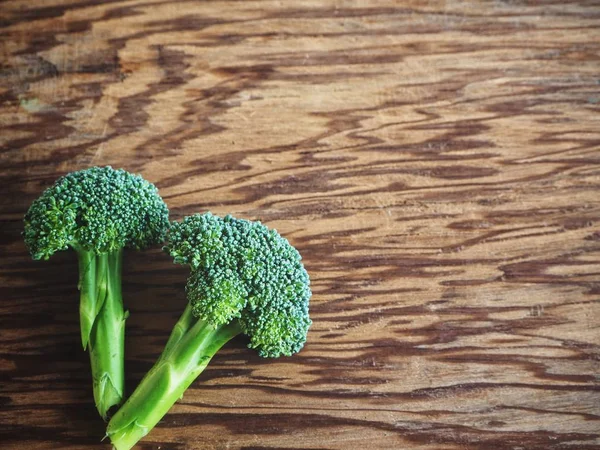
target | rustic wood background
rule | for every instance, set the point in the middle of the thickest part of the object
(437, 164)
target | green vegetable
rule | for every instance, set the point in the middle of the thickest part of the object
(97, 212)
(245, 279)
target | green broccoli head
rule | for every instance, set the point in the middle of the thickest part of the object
(99, 209)
(243, 270)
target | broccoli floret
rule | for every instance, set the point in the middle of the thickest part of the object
(97, 212)
(245, 279)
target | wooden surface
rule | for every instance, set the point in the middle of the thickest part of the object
(436, 163)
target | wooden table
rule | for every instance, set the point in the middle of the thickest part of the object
(436, 164)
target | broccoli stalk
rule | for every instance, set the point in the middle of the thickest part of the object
(245, 279)
(102, 324)
(97, 212)
(196, 343)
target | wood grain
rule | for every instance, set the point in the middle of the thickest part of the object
(436, 163)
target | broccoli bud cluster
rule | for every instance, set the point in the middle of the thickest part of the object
(99, 209)
(243, 270)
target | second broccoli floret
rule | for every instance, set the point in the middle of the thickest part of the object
(245, 279)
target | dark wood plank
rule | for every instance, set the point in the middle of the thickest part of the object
(436, 163)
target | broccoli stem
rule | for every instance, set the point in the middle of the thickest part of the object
(191, 346)
(88, 308)
(103, 325)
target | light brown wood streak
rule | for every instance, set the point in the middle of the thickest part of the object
(436, 164)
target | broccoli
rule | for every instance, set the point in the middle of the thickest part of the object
(245, 279)
(97, 212)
